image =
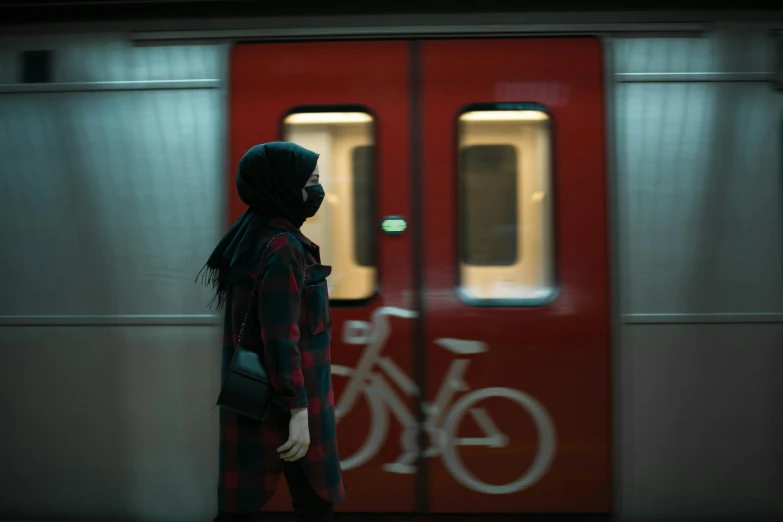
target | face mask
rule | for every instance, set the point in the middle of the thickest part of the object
(315, 196)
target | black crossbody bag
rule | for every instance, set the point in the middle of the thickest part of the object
(246, 388)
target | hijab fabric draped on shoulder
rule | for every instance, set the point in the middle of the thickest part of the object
(270, 179)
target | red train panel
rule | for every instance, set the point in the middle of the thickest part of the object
(517, 382)
(547, 367)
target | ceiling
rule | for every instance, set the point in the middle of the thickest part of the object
(60, 11)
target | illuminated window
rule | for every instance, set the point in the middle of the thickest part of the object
(344, 225)
(505, 200)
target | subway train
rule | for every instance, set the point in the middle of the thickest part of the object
(556, 241)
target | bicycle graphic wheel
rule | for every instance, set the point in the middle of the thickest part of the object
(544, 428)
(376, 433)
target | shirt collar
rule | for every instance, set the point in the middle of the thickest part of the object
(279, 223)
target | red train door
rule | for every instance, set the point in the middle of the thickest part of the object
(349, 101)
(491, 152)
(516, 313)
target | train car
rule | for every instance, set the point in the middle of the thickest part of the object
(556, 243)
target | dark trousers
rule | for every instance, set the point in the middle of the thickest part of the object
(308, 505)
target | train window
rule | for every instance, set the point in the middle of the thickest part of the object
(343, 227)
(505, 207)
(363, 210)
(488, 190)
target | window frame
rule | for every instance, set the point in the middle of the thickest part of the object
(300, 109)
(506, 302)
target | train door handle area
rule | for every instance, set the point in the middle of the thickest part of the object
(394, 225)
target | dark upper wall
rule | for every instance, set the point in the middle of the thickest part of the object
(59, 11)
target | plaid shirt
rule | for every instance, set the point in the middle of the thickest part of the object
(293, 330)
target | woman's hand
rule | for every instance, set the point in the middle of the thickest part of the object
(298, 437)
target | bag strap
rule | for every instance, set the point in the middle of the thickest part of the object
(258, 280)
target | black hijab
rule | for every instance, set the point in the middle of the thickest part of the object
(270, 180)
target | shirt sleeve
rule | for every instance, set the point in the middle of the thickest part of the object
(280, 307)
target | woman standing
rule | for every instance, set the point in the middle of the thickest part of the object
(291, 327)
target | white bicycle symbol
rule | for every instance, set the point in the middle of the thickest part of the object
(441, 424)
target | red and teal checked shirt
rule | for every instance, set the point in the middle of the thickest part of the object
(293, 330)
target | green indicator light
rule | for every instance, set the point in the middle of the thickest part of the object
(394, 225)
